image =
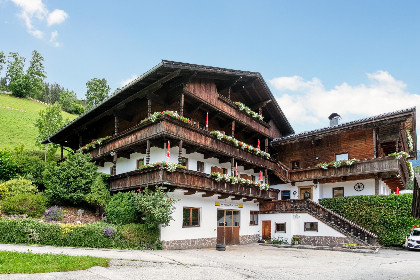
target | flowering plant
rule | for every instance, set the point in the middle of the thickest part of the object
(169, 166)
(244, 146)
(399, 155)
(336, 164)
(410, 141)
(243, 107)
(92, 145)
(234, 180)
(172, 114)
(54, 213)
(410, 170)
(109, 231)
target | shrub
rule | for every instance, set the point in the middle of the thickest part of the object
(155, 206)
(30, 164)
(32, 205)
(99, 194)
(54, 213)
(19, 186)
(69, 182)
(29, 231)
(8, 167)
(3, 191)
(389, 217)
(121, 210)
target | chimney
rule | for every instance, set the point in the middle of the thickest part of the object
(334, 117)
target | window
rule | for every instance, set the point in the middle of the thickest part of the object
(191, 217)
(253, 218)
(184, 162)
(344, 156)
(285, 195)
(200, 166)
(311, 226)
(224, 170)
(252, 178)
(280, 227)
(140, 162)
(338, 192)
(295, 164)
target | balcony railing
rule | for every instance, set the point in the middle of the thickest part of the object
(174, 129)
(186, 179)
(320, 212)
(379, 165)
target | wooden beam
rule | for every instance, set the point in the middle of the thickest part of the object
(236, 197)
(156, 98)
(208, 194)
(190, 192)
(247, 199)
(223, 196)
(180, 151)
(147, 151)
(181, 105)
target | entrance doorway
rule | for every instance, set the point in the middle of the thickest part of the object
(227, 226)
(266, 230)
(305, 192)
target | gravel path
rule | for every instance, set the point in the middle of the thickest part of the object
(237, 262)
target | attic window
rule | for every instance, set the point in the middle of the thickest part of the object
(344, 156)
(295, 165)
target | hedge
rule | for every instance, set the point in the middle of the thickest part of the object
(96, 235)
(389, 217)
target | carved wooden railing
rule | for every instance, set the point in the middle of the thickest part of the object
(379, 165)
(175, 129)
(186, 179)
(318, 211)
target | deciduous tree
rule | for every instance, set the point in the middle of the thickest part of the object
(97, 91)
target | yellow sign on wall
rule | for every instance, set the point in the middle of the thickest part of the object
(228, 205)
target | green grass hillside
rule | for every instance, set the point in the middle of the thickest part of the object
(17, 117)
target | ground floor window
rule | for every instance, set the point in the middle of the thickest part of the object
(280, 227)
(227, 218)
(253, 219)
(338, 192)
(191, 217)
(311, 226)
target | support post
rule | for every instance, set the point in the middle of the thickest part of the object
(232, 167)
(233, 128)
(147, 151)
(114, 166)
(180, 151)
(260, 110)
(266, 145)
(266, 176)
(149, 107)
(375, 148)
(116, 124)
(181, 105)
(80, 140)
(62, 152)
(376, 184)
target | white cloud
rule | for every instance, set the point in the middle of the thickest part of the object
(129, 80)
(53, 38)
(56, 17)
(34, 12)
(307, 104)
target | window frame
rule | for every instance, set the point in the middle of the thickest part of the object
(190, 219)
(297, 166)
(252, 215)
(275, 227)
(337, 189)
(281, 194)
(138, 161)
(315, 223)
(202, 163)
(344, 153)
(186, 159)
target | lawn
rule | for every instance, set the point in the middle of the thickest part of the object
(17, 117)
(12, 262)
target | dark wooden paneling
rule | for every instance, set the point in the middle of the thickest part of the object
(235, 235)
(220, 235)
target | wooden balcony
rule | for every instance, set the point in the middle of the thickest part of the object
(169, 128)
(190, 180)
(387, 166)
(318, 211)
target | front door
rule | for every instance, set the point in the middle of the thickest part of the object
(266, 230)
(305, 193)
(227, 226)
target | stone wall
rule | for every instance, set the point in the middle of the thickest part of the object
(326, 240)
(204, 242)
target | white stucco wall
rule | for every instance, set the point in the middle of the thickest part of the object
(208, 217)
(295, 225)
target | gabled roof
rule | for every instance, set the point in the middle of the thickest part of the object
(348, 125)
(162, 70)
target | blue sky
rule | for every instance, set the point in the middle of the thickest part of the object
(356, 58)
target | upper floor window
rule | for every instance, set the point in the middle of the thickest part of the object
(200, 166)
(344, 156)
(295, 164)
(140, 162)
(285, 194)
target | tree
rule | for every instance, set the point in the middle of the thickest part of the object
(70, 182)
(2, 60)
(48, 122)
(99, 194)
(26, 84)
(69, 102)
(97, 91)
(51, 93)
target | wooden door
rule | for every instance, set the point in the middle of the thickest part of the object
(307, 190)
(266, 230)
(227, 226)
